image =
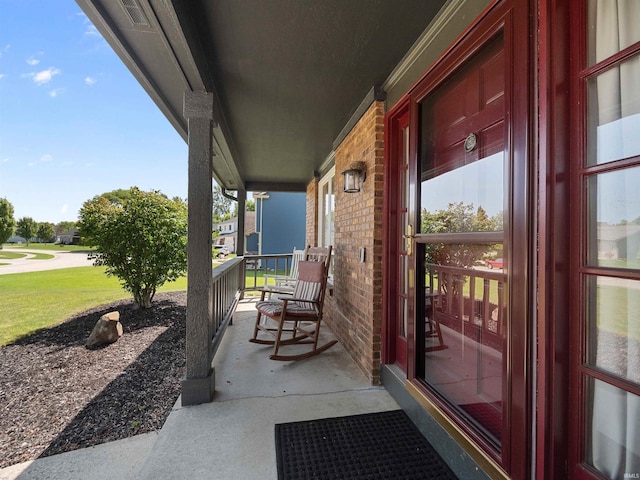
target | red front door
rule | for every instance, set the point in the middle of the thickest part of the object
(459, 238)
(400, 229)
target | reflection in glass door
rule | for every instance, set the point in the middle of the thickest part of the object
(463, 242)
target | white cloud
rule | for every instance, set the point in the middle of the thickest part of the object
(33, 60)
(54, 93)
(4, 49)
(65, 208)
(44, 76)
(89, 80)
(43, 159)
(4, 160)
(91, 31)
(2, 75)
(67, 164)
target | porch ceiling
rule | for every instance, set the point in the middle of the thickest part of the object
(287, 75)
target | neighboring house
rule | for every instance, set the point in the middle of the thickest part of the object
(228, 230)
(280, 221)
(16, 239)
(276, 226)
(618, 242)
(70, 237)
(527, 108)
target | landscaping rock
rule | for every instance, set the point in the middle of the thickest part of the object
(107, 330)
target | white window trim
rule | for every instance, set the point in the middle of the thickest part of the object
(326, 179)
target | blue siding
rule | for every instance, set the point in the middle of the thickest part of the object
(283, 221)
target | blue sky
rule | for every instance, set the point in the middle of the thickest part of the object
(74, 122)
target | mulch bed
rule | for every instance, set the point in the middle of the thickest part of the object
(56, 395)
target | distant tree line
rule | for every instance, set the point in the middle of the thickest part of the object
(27, 227)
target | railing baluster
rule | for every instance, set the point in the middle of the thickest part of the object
(472, 298)
(275, 260)
(489, 328)
(226, 288)
(486, 302)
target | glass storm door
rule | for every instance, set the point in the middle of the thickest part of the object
(464, 260)
(472, 245)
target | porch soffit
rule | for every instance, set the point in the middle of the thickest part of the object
(287, 75)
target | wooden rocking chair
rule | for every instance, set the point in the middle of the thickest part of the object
(297, 315)
(286, 283)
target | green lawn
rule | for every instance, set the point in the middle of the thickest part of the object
(479, 289)
(46, 246)
(14, 255)
(620, 263)
(41, 256)
(258, 280)
(619, 310)
(11, 255)
(34, 300)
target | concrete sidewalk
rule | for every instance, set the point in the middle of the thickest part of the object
(61, 259)
(233, 437)
(109, 461)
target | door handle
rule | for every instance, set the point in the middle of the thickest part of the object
(409, 236)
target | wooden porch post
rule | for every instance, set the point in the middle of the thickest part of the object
(240, 247)
(198, 385)
(242, 200)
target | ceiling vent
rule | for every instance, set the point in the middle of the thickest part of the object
(135, 13)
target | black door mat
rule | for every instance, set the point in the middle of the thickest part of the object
(385, 445)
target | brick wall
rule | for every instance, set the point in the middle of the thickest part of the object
(312, 213)
(354, 311)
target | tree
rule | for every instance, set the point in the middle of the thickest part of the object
(64, 227)
(45, 231)
(141, 239)
(27, 227)
(457, 218)
(119, 196)
(250, 206)
(221, 205)
(7, 222)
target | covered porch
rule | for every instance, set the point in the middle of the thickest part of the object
(233, 436)
(283, 96)
(266, 94)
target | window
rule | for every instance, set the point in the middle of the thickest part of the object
(326, 211)
(607, 278)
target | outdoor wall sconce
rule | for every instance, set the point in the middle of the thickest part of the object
(354, 177)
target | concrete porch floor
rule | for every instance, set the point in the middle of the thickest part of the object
(232, 437)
